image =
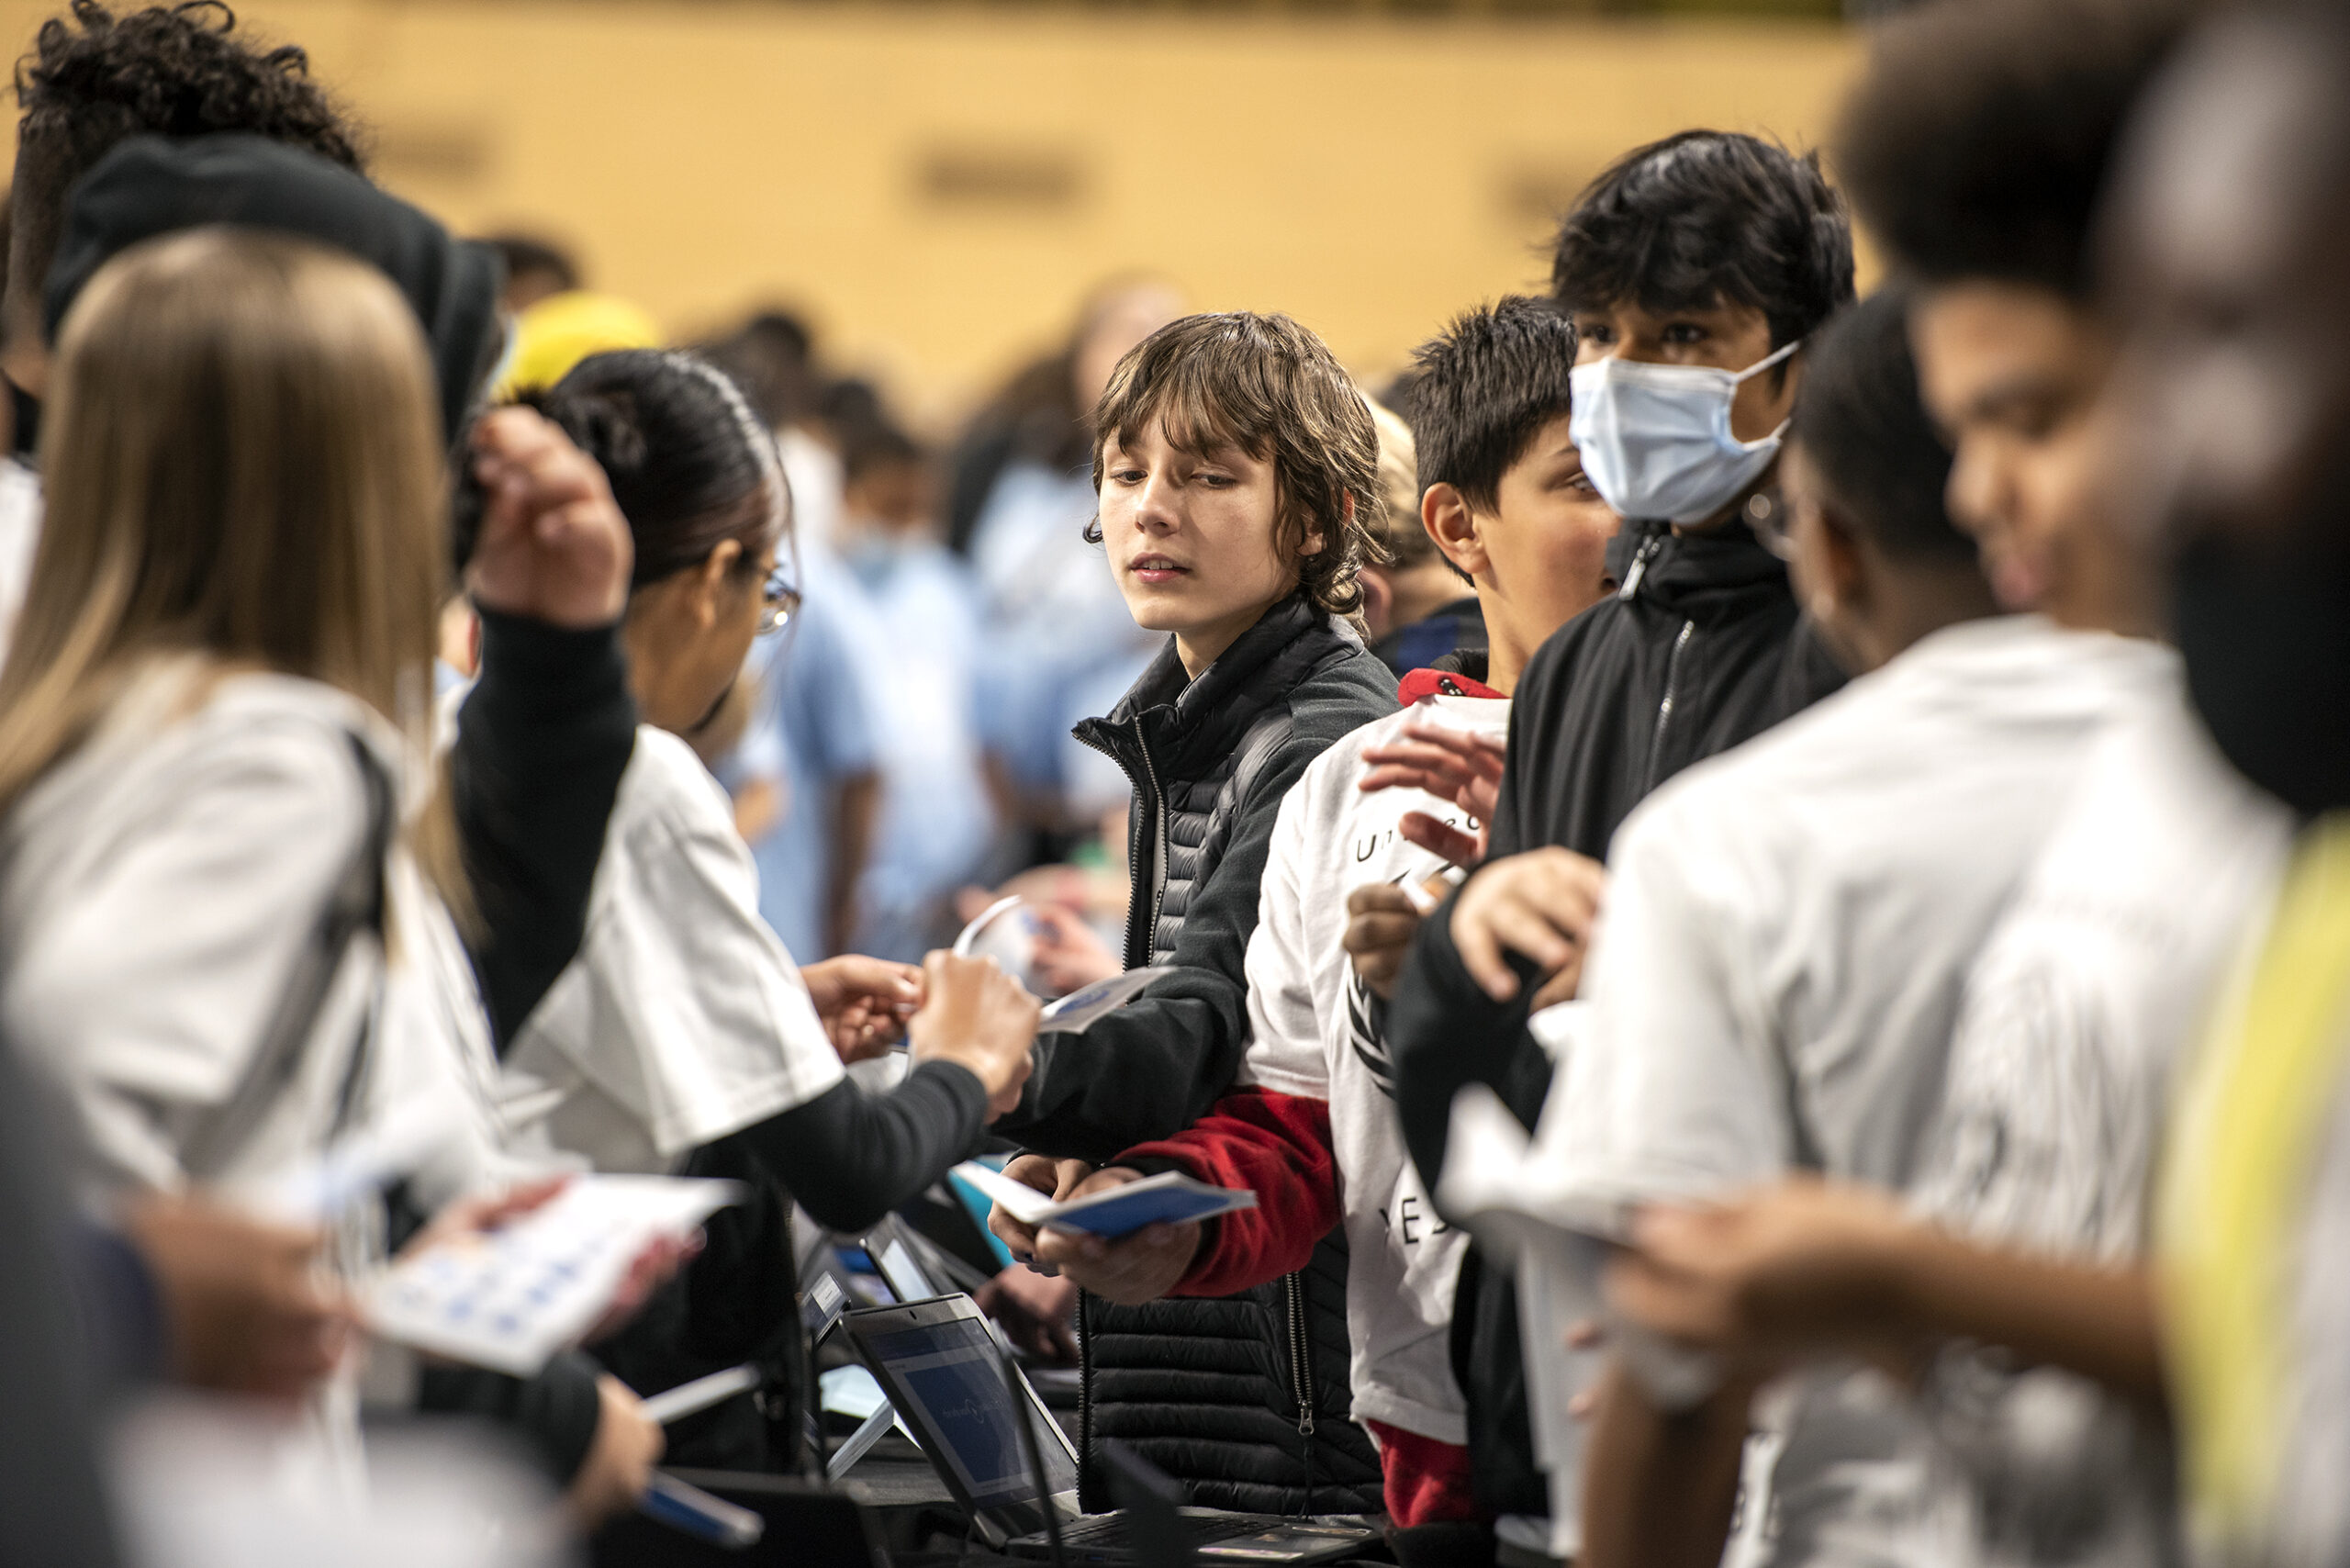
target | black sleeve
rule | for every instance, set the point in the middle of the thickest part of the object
(850, 1158)
(1154, 1066)
(555, 1413)
(1443, 1032)
(541, 743)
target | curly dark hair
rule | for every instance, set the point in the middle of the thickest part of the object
(1977, 142)
(1270, 387)
(94, 79)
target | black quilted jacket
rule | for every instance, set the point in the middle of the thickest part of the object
(1243, 1399)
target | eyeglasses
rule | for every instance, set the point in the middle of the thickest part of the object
(778, 601)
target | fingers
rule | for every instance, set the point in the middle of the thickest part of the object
(1029, 1170)
(1018, 1238)
(1463, 769)
(1006, 1100)
(1668, 1301)
(1542, 905)
(1379, 933)
(1481, 950)
(1130, 1270)
(891, 985)
(647, 1272)
(1442, 839)
(1564, 986)
(1375, 898)
(1382, 933)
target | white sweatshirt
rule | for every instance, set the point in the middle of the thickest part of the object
(1316, 1035)
(155, 890)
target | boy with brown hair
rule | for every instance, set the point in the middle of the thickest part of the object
(1310, 1128)
(1237, 470)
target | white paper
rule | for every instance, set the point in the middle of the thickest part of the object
(1520, 1206)
(1170, 1197)
(1088, 1005)
(969, 935)
(692, 1398)
(510, 1299)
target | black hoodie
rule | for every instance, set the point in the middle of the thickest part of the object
(1702, 648)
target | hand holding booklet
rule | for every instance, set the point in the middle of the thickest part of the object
(508, 1299)
(1172, 1198)
(991, 935)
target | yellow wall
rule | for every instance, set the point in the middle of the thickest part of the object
(936, 187)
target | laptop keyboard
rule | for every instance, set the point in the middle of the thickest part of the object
(1110, 1529)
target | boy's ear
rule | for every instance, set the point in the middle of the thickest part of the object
(1315, 543)
(1444, 513)
(1843, 565)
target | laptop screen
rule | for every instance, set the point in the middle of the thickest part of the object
(954, 1371)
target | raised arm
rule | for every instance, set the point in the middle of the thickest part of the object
(546, 733)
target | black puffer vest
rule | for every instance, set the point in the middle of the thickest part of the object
(1244, 1399)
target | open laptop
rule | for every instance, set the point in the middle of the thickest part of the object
(944, 1369)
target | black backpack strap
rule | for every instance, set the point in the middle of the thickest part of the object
(354, 905)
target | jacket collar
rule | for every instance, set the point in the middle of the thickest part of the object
(1682, 567)
(1166, 685)
(1181, 720)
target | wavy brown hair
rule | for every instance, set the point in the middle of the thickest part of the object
(1270, 388)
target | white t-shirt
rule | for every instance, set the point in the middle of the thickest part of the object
(21, 511)
(1787, 933)
(2076, 1018)
(155, 889)
(682, 1019)
(1316, 1035)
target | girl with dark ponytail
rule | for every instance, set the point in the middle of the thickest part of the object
(683, 1039)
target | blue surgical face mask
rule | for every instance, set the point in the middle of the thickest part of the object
(1655, 438)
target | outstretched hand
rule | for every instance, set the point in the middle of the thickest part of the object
(1056, 1178)
(1452, 765)
(864, 1002)
(1801, 1265)
(1131, 1269)
(246, 1305)
(553, 545)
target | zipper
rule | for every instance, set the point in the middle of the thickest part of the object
(1084, 1394)
(1639, 567)
(1140, 952)
(1664, 707)
(1301, 1370)
(1145, 787)
(1300, 1377)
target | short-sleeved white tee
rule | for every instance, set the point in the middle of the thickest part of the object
(2076, 1020)
(682, 1018)
(1788, 931)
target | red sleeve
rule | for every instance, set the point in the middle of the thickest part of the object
(1277, 1145)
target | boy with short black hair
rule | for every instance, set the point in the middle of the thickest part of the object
(1309, 1128)
(1693, 269)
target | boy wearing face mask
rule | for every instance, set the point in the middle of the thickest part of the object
(1693, 269)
